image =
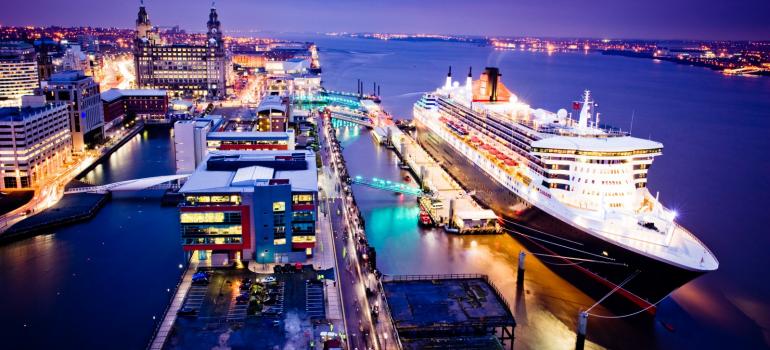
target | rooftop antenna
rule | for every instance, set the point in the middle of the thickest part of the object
(631, 129)
(213, 3)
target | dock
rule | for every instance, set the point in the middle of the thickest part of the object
(70, 209)
(450, 206)
(448, 312)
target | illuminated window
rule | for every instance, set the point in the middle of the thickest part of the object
(279, 206)
(303, 239)
(189, 218)
(280, 241)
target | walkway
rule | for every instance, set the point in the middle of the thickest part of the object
(168, 320)
(155, 182)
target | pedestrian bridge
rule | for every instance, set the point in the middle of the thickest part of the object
(352, 117)
(388, 185)
(147, 183)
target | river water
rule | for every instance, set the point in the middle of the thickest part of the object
(715, 171)
(100, 283)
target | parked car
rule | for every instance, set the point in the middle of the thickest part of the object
(242, 298)
(200, 279)
(268, 279)
(187, 311)
(271, 311)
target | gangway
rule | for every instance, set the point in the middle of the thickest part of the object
(353, 117)
(388, 185)
(147, 183)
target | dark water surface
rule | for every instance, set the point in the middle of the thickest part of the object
(98, 284)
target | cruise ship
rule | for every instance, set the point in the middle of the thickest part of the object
(571, 190)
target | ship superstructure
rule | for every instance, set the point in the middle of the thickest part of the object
(592, 178)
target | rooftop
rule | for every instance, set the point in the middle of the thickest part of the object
(600, 144)
(14, 114)
(421, 303)
(114, 94)
(68, 76)
(242, 171)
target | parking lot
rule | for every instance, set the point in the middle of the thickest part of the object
(224, 311)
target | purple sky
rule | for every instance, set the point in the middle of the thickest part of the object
(665, 19)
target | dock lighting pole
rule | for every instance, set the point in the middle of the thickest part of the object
(520, 272)
(581, 331)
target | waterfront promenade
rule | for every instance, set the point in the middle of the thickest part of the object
(367, 321)
(51, 190)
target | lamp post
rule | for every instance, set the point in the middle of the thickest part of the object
(262, 259)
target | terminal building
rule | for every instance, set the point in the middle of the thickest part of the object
(34, 142)
(182, 69)
(81, 94)
(245, 205)
(18, 72)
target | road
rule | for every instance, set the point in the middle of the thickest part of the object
(354, 274)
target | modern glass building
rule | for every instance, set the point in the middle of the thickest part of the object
(251, 205)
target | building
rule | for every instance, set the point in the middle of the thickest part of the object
(45, 48)
(272, 114)
(34, 142)
(251, 205)
(251, 140)
(18, 72)
(190, 142)
(183, 70)
(194, 139)
(82, 96)
(148, 105)
(297, 65)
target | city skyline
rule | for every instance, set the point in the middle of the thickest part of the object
(648, 20)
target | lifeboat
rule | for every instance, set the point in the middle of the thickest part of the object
(510, 162)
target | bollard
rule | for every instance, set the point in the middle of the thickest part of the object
(581, 330)
(520, 274)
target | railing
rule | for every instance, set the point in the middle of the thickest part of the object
(168, 306)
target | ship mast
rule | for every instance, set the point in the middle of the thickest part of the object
(586, 111)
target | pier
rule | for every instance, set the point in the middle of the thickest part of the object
(448, 312)
(449, 206)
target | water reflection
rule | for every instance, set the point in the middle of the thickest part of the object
(546, 306)
(73, 285)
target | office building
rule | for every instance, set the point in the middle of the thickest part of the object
(119, 105)
(183, 70)
(82, 96)
(34, 142)
(252, 206)
(272, 114)
(193, 139)
(18, 72)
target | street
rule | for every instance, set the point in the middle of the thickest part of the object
(364, 332)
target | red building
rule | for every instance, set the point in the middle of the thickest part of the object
(149, 105)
